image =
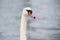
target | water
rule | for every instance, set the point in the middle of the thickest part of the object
(46, 26)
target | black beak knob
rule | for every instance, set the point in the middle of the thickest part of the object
(34, 17)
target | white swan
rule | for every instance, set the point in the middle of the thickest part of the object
(26, 12)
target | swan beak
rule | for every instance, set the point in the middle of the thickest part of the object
(31, 14)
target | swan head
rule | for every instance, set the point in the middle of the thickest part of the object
(28, 12)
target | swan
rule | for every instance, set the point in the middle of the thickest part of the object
(25, 13)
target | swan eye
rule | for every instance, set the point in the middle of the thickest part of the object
(29, 11)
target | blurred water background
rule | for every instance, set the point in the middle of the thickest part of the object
(46, 26)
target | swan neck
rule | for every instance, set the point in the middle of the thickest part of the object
(23, 27)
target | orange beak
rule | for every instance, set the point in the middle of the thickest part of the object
(31, 14)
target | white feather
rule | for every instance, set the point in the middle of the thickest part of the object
(24, 24)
